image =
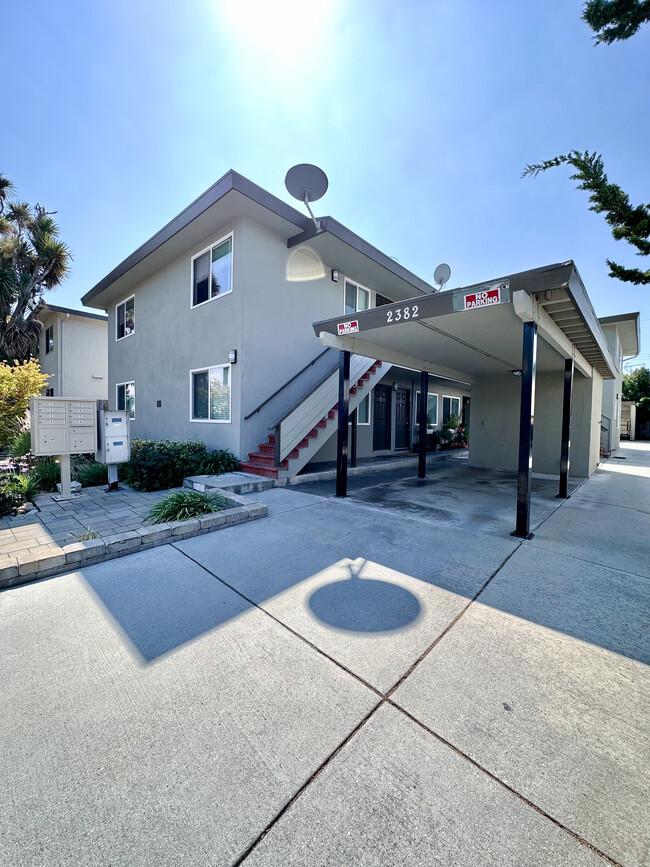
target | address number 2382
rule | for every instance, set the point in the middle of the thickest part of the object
(402, 314)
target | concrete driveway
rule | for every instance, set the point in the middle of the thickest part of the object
(348, 682)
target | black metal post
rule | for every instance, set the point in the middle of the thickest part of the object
(353, 438)
(342, 442)
(566, 429)
(526, 424)
(422, 422)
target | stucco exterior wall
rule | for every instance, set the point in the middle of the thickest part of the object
(78, 364)
(494, 423)
(612, 388)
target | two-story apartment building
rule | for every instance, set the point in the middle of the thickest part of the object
(73, 352)
(228, 324)
(210, 337)
(622, 333)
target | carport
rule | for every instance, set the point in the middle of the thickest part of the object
(527, 338)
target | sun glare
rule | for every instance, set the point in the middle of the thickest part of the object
(284, 33)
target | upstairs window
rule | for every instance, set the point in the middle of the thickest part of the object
(49, 339)
(125, 318)
(356, 297)
(212, 272)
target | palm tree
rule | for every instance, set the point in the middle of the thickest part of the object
(32, 260)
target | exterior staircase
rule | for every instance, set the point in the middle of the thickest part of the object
(303, 431)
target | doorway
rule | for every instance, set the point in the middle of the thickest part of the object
(402, 419)
(381, 418)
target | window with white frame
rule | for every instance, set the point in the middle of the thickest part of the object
(432, 409)
(212, 272)
(450, 406)
(125, 318)
(210, 393)
(363, 411)
(125, 397)
(49, 339)
(356, 297)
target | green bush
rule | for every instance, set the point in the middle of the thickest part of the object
(21, 445)
(156, 465)
(11, 496)
(48, 473)
(90, 473)
(182, 505)
(217, 462)
(27, 486)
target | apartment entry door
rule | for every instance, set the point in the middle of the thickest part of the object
(402, 419)
(381, 418)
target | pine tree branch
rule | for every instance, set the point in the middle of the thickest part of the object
(613, 20)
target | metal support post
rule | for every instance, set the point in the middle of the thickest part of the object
(353, 439)
(422, 422)
(66, 490)
(566, 429)
(342, 440)
(526, 425)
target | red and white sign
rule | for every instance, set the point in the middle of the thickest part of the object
(347, 327)
(482, 299)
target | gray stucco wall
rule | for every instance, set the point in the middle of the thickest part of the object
(267, 318)
(494, 426)
(612, 388)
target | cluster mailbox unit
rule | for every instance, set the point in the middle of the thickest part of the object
(63, 426)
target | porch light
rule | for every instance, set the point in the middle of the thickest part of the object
(232, 356)
(335, 275)
(516, 372)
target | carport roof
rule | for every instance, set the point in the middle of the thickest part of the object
(441, 333)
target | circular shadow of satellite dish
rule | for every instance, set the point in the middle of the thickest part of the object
(364, 605)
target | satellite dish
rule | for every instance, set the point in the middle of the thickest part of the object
(308, 184)
(442, 274)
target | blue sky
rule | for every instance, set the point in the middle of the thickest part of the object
(423, 115)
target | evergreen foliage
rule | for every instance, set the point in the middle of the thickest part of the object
(636, 386)
(612, 20)
(32, 260)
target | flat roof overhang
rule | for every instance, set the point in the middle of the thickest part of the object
(360, 261)
(435, 333)
(629, 329)
(232, 197)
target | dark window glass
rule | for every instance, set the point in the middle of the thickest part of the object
(200, 394)
(201, 278)
(49, 339)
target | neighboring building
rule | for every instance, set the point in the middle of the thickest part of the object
(73, 351)
(623, 338)
(210, 333)
(214, 327)
(628, 420)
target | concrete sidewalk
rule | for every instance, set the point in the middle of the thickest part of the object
(345, 683)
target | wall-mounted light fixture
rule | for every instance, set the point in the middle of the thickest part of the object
(516, 372)
(232, 356)
(335, 275)
(396, 386)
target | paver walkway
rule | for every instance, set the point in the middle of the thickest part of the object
(57, 523)
(343, 683)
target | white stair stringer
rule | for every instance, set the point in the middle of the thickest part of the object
(322, 406)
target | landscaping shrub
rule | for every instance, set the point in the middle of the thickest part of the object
(10, 494)
(156, 465)
(27, 486)
(182, 505)
(48, 473)
(21, 445)
(90, 473)
(217, 462)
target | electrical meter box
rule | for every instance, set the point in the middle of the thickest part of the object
(113, 442)
(61, 426)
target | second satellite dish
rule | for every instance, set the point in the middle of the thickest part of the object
(442, 274)
(308, 184)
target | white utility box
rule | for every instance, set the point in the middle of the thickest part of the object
(113, 441)
(61, 426)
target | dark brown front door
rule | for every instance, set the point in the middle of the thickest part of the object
(402, 419)
(381, 418)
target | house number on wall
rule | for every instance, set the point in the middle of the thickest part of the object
(402, 314)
